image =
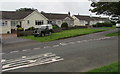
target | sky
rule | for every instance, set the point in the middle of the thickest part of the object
(51, 6)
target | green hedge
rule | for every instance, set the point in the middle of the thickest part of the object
(55, 26)
(31, 28)
(106, 24)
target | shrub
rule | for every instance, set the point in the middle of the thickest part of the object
(24, 33)
(31, 28)
(114, 23)
(106, 24)
(20, 29)
(55, 26)
(64, 25)
(18, 26)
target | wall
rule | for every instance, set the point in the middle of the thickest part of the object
(69, 21)
(76, 21)
(6, 28)
(32, 17)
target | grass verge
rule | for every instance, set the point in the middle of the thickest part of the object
(113, 27)
(108, 68)
(113, 34)
(63, 34)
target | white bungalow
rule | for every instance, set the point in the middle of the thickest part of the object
(82, 20)
(26, 19)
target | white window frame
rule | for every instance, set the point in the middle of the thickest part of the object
(39, 22)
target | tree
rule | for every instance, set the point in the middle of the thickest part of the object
(26, 9)
(107, 8)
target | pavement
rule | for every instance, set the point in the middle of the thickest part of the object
(11, 39)
(79, 54)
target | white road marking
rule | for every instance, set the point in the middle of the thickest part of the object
(63, 43)
(26, 50)
(55, 45)
(2, 53)
(47, 47)
(3, 60)
(78, 41)
(30, 61)
(14, 51)
(36, 48)
(23, 56)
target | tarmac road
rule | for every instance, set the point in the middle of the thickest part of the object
(80, 54)
(78, 57)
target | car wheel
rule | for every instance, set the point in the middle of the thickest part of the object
(35, 35)
(42, 34)
(50, 33)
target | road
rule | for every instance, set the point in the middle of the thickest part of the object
(78, 54)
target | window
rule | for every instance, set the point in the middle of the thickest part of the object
(28, 21)
(0, 23)
(4, 23)
(14, 23)
(82, 21)
(49, 22)
(39, 22)
(59, 22)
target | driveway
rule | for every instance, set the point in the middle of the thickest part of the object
(12, 39)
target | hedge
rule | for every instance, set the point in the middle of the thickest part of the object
(106, 24)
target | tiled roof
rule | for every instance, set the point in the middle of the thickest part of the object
(56, 16)
(14, 15)
(88, 18)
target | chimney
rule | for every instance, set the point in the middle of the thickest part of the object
(42, 12)
(69, 13)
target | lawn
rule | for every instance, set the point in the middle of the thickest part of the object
(108, 68)
(113, 34)
(63, 34)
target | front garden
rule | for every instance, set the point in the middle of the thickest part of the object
(63, 34)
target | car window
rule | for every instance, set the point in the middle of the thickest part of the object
(118, 21)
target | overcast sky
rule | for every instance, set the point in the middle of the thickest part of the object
(53, 6)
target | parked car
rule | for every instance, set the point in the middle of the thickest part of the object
(118, 24)
(43, 30)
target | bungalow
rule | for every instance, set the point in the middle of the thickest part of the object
(26, 19)
(81, 20)
(58, 19)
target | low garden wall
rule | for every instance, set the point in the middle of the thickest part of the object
(24, 33)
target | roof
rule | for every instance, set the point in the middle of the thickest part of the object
(87, 18)
(81, 17)
(56, 16)
(14, 15)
